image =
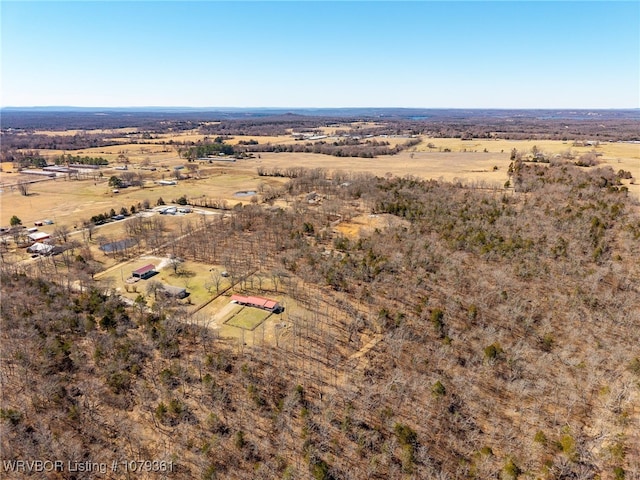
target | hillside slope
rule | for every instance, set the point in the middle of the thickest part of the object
(484, 334)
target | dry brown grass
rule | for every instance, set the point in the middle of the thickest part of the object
(71, 202)
(364, 225)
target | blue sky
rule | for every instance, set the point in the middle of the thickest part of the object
(423, 54)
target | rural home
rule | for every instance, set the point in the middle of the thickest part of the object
(175, 292)
(258, 302)
(169, 211)
(144, 272)
(40, 248)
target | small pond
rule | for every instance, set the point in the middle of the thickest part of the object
(118, 246)
(245, 193)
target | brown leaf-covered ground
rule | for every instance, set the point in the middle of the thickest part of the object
(489, 334)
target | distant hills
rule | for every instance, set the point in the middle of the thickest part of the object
(368, 112)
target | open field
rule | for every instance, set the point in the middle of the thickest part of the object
(114, 131)
(70, 202)
(617, 155)
(364, 225)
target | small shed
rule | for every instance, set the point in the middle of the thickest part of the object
(144, 272)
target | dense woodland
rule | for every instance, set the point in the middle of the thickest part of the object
(482, 333)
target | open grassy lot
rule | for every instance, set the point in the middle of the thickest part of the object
(447, 166)
(190, 275)
(72, 201)
(366, 224)
(617, 155)
(247, 318)
(253, 325)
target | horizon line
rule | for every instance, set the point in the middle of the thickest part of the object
(184, 107)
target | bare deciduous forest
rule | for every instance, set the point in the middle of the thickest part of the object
(479, 333)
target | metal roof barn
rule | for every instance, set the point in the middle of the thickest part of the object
(37, 236)
(144, 272)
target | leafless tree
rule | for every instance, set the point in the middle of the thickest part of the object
(24, 187)
(61, 232)
(214, 282)
(88, 228)
(175, 262)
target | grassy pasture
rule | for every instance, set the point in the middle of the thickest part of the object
(617, 155)
(69, 202)
(123, 130)
(247, 318)
(447, 166)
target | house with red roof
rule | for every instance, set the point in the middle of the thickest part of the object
(258, 302)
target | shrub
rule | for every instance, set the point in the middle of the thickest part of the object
(493, 351)
(634, 366)
(619, 473)
(547, 342)
(319, 469)
(405, 434)
(407, 458)
(119, 382)
(176, 407)
(540, 437)
(10, 415)
(438, 390)
(568, 446)
(437, 317)
(239, 440)
(511, 470)
(210, 472)
(486, 451)
(161, 412)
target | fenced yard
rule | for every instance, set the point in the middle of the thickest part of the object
(247, 318)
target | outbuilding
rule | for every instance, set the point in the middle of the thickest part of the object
(144, 272)
(38, 236)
